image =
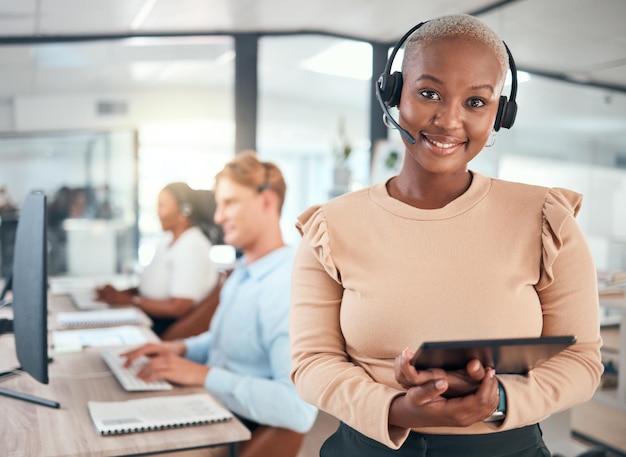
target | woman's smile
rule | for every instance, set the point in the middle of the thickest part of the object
(442, 145)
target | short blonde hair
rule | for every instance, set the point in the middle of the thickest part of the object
(247, 170)
(457, 26)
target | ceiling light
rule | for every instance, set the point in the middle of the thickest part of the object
(143, 14)
(192, 40)
(349, 59)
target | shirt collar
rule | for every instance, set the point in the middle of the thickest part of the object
(266, 264)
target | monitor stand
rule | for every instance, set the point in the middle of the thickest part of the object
(29, 398)
(6, 326)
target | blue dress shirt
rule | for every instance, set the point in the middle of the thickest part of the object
(247, 345)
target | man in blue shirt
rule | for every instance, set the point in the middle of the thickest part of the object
(244, 357)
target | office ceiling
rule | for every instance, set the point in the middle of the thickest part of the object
(582, 41)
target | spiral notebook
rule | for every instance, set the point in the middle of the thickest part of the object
(76, 339)
(97, 318)
(156, 413)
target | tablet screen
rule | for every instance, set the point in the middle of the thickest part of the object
(516, 356)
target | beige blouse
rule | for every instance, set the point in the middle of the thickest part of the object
(373, 275)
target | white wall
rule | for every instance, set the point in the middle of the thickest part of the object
(602, 216)
(79, 111)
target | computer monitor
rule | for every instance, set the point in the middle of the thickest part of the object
(30, 298)
(8, 285)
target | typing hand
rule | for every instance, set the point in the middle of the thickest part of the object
(173, 368)
(112, 296)
(154, 350)
(102, 293)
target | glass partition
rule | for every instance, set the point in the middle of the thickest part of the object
(311, 112)
(90, 179)
(78, 109)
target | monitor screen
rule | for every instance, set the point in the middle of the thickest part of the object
(8, 284)
(30, 282)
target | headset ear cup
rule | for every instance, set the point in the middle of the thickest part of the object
(390, 88)
(510, 112)
(395, 91)
(500, 114)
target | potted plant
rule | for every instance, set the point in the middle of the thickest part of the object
(342, 175)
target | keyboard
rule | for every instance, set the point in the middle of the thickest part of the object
(126, 376)
(86, 299)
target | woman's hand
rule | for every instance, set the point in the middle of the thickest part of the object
(112, 296)
(408, 376)
(438, 398)
(460, 382)
(464, 382)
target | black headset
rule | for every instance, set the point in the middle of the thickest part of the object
(266, 183)
(389, 89)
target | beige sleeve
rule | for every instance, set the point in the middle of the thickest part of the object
(321, 370)
(567, 289)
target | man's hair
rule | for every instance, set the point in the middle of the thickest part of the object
(247, 170)
(456, 26)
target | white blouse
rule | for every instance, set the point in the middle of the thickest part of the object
(183, 269)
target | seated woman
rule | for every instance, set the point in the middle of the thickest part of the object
(181, 273)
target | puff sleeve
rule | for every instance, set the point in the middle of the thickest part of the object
(314, 231)
(322, 371)
(567, 289)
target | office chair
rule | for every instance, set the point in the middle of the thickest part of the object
(272, 441)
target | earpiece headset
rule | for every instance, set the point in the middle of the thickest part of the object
(184, 196)
(186, 209)
(389, 89)
(266, 183)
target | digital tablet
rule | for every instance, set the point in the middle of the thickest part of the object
(516, 355)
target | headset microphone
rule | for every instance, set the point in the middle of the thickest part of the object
(388, 118)
(389, 89)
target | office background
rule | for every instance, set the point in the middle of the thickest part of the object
(119, 97)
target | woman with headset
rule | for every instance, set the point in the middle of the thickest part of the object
(446, 254)
(181, 272)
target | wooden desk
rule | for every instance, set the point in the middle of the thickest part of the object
(27, 429)
(602, 420)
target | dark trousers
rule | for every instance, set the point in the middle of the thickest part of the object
(159, 324)
(250, 424)
(522, 442)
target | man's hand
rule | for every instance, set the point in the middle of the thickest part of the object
(166, 361)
